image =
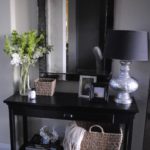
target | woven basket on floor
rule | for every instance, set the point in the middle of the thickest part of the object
(45, 86)
(101, 140)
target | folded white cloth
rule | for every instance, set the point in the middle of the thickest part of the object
(73, 137)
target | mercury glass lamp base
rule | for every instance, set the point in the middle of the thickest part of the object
(123, 98)
(124, 84)
(123, 101)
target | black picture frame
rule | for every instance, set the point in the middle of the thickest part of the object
(85, 85)
(100, 91)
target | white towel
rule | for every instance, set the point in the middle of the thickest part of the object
(73, 137)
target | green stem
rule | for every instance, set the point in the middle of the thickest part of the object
(24, 79)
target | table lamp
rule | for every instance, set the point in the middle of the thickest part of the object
(127, 46)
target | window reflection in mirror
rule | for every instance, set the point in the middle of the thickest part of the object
(57, 34)
(61, 33)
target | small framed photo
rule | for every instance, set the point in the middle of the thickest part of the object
(85, 85)
(100, 91)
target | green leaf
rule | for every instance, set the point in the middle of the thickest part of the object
(7, 47)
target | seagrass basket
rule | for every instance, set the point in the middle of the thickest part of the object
(100, 140)
(45, 86)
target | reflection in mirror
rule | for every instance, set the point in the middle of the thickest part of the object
(56, 35)
(74, 28)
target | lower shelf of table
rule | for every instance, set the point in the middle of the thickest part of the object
(38, 147)
(36, 144)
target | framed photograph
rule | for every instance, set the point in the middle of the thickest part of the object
(85, 85)
(100, 90)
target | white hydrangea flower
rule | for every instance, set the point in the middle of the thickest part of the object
(15, 59)
(37, 54)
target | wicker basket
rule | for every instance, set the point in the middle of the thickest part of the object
(101, 140)
(45, 86)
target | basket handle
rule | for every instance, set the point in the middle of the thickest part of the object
(121, 131)
(98, 126)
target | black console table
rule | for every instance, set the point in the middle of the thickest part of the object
(69, 107)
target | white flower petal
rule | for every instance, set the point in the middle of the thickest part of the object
(15, 59)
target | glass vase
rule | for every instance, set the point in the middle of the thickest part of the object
(24, 85)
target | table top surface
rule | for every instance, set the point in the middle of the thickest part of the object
(71, 101)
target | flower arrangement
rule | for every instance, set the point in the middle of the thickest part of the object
(26, 47)
(24, 50)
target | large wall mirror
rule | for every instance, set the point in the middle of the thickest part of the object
(74, 28)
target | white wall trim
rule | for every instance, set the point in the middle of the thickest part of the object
(4, 146)
(13, 14)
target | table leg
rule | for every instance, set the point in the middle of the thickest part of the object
(125, 137)
(12, 129)
(128, 135)
(130, 129)
(25, 129)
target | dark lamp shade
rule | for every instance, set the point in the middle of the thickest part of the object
(126, 45)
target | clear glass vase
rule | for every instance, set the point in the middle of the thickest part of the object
(24, 85)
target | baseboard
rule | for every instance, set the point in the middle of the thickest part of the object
(4, 146)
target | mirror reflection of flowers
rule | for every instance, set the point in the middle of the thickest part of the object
(24, 50)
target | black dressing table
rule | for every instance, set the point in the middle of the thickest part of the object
(68, 106)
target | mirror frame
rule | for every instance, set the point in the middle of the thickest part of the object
(108, 18)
